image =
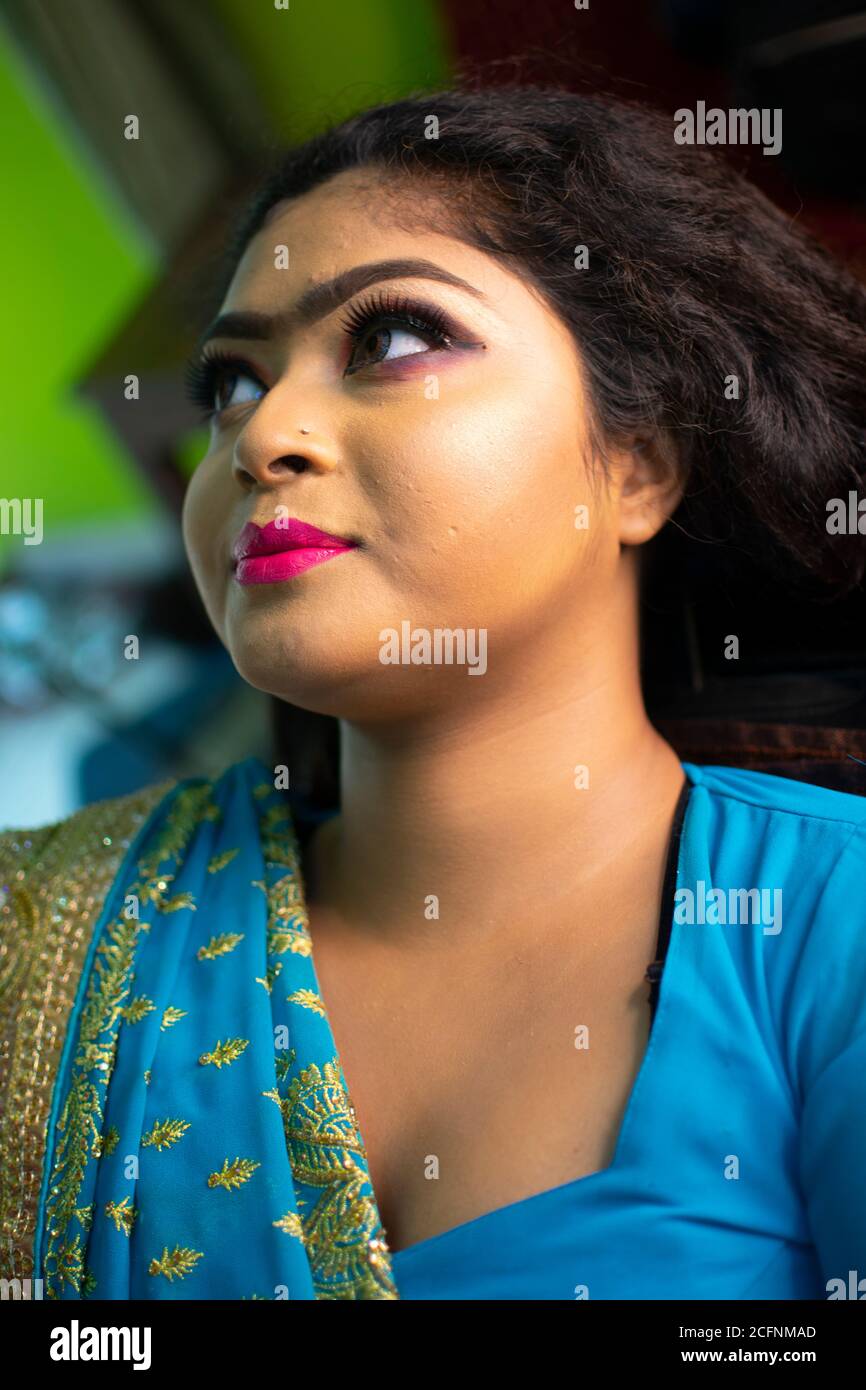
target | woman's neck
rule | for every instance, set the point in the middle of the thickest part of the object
(471, 817)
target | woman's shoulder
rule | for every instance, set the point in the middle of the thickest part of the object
(76, 859)
(76, 841)
(746, 788)
(53, 882)
(804, 842)
(793, 835)
(800, 850)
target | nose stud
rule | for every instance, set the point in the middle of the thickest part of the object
(303, 431)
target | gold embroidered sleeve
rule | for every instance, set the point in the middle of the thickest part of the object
(53, 882)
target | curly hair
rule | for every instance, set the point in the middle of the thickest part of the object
(704, 315)
(692, 278)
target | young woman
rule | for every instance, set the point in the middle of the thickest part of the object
(475, 351)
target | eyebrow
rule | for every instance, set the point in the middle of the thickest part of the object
(319, 300)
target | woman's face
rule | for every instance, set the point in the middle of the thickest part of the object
(451, 446)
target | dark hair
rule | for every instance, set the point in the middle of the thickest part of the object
(693, 277)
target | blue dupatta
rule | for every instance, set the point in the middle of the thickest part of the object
(202, 1143)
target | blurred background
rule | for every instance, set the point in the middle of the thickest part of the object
(108, 244)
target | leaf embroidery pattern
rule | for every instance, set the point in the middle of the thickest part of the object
(220, 861)
(106, 1143)
(171, 1016)
(234, 1174)
(342, 1233)
(283, 1063)
(153, 890)
(176, 1265)
(291, 1224)
(219, 945)
(79, 1124)
(308, 999)
(137, 1009)
(122, 1215)
(165, 1133)
(224, 1053)
(85, 1216)
(270, 976)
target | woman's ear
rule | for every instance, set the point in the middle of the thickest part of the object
(650, 480)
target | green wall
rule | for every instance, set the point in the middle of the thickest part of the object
(73, 265)
(75, 262)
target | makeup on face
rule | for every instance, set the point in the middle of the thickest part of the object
(386, 319)
(282, 550)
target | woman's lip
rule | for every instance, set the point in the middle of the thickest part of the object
(286, 564)
(287, 534)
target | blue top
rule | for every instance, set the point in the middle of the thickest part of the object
(739, 1168)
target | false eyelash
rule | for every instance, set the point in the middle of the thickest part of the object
(203, 374)
(427, 318)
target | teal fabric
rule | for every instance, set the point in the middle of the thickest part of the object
(738, 1171)
(206, 1147)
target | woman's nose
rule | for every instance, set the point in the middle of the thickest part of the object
(268, 450)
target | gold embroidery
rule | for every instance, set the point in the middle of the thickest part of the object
(270, 976)
(291, 1224)
(234, 1174)
(176, 903)
(224, 1053)
(56, 879)
(219, 945)
(137, 1009)
(106, 1143)
(342, 1234)
(170, 1016)
(282, 939)
(220, 861)
(84, 1215)
(177, 1264)
(107, 990)
(283, 1065)
(164, 1133)
(288, 928)
(308, 999)
(122, 1215)
(154, 888)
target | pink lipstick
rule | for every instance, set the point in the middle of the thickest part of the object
(283, 549)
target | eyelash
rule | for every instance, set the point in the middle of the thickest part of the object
(205, 373)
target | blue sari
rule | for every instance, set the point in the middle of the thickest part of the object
(196, 1139)
(202, 1143)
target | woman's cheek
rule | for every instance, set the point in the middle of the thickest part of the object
(202, 525)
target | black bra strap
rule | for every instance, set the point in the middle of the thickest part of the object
(666, 916)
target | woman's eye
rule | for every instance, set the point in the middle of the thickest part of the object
(235, 388)
(382, 344)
